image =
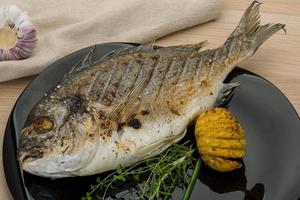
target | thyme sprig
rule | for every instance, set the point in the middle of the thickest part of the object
(165, 171)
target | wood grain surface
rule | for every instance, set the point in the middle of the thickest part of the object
(278, 60)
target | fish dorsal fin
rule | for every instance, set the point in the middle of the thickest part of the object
(125, 102)
(186, 47)
(144, 47)
(87, 61)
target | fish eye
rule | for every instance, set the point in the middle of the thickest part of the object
(43, 124)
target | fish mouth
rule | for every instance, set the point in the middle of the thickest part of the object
(24, 157)
(29, 149)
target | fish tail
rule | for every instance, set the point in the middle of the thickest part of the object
(250, 32)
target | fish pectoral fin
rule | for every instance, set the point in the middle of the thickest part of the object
(160, 146)
(127, 100)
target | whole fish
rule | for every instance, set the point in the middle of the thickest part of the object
(132, 104)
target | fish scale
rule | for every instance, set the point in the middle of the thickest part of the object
(132, 103)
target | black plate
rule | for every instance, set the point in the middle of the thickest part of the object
(272, 164)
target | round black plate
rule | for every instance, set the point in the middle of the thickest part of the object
(272, 164)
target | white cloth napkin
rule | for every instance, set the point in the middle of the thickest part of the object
(69, 25)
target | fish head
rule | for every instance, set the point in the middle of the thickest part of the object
(54, 142)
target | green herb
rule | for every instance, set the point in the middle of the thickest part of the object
(189, 189)
(165, 172)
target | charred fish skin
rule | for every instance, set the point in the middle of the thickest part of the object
(132, 104)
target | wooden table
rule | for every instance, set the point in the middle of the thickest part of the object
(277, 60)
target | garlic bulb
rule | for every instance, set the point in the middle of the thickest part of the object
(17, 34)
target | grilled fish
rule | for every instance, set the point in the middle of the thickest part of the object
(132, 104)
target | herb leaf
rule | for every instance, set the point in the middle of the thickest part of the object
(165, 172)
